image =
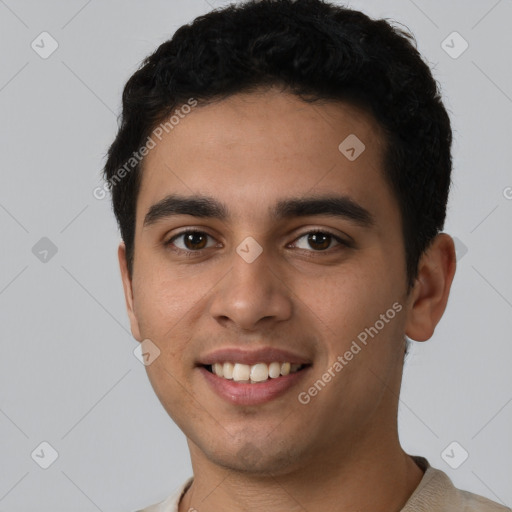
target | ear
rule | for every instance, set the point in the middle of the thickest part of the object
(128, 292)
(429, 296)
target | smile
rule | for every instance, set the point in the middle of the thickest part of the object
(259, 372)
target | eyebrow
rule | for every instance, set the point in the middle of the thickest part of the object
(207, 207)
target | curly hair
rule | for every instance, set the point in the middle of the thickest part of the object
(317, 51)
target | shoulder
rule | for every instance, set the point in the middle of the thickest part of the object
(171, 503)
(476, 503)
(436, 493)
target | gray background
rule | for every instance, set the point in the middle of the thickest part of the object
(68, 375)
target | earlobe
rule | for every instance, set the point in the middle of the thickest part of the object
(430, 294)
(128, 291)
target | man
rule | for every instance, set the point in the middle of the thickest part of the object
(280, 180)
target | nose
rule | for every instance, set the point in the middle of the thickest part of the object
(252, 295)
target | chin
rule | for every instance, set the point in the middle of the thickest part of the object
(263, 461)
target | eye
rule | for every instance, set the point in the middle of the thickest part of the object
(320, 240)
(193, 241)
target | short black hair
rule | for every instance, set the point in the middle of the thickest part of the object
(317, 51)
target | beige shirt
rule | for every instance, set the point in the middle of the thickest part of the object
(435, 493)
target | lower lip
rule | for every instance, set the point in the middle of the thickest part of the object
(247, 393)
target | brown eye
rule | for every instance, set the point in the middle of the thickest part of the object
(190, 241)
(194, 241)
(319, 241)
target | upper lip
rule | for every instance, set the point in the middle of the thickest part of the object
(250, 357)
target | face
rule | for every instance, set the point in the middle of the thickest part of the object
(314, 282)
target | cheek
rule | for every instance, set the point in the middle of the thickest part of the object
(344, 301)
(161, 301)
(177, 396)
(348, 306)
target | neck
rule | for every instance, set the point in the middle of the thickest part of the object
(379, 477)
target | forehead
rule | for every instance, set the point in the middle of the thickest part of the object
(252, 150)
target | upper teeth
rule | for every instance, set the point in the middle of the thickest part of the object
(258, 372)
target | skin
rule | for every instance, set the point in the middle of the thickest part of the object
(341, 451)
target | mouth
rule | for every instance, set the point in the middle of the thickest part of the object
(256, 373)
(246, 377)
(251, 385)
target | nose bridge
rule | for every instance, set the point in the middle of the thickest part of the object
(251, 270)
(252, 290)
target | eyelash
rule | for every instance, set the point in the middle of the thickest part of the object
(199, 252)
